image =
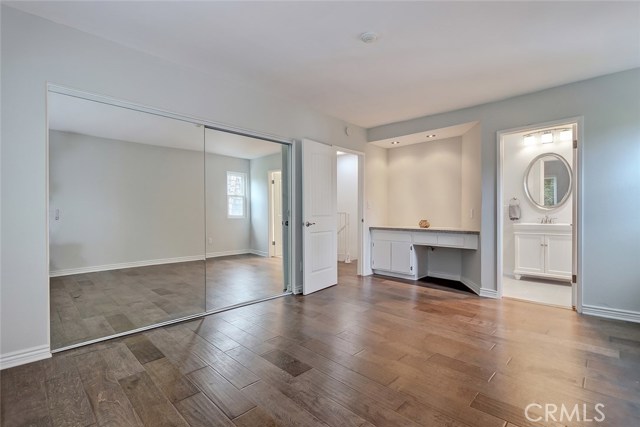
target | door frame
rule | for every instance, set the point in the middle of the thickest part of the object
(363, 236)
(577, 124)
(272, 251)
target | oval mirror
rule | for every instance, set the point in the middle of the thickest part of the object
(547, 181)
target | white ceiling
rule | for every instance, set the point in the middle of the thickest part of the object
(430, 56)
(77, 115)
(420, 137)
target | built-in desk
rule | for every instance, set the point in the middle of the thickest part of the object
(403, 251)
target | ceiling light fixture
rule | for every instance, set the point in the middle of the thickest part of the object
(529, 139)
(395, 142)
(340, 153)
(433, 135)
(369, 37)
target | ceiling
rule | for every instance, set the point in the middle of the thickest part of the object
(77, 115)
(430, 57)
(427, 136)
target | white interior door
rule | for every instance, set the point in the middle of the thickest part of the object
(319, 213)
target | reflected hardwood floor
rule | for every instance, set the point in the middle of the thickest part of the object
(370, 351)
(93, 305)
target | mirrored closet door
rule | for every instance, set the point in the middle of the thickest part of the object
(247, 206)
(154, 219)
(126, 219)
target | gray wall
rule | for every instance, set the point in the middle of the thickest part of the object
(225, 236)
(610, 106)
(259, 228)
(122, 202)
(36, 51)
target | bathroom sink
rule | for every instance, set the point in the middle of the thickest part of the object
(535, 226)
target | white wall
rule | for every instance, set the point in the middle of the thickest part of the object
(225, 236)
(259, 230)
(610, 106)
(122, 202)
(36, 51)
(347, 174)
(517, 157)
(425, 182)
(471, 183)
(376, 186)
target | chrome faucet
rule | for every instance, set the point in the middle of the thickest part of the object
(547, 220)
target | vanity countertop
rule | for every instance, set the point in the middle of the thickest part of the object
(430, 229)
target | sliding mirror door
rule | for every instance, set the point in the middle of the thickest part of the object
(126, 219)
(247, 232)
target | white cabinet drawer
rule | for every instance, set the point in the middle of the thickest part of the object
(425, 238)
(397, 236)
(455, 240)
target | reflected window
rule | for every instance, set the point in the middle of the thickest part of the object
(236, 194)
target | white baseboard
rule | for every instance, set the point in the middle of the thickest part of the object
(22, 357)
(259, 253)
(471, 285)
(611, 313)
(446, 276)
(107, 267)
(488, 293)
(483, 292)
(228, 253)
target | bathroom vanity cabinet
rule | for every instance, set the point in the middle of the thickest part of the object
(543, 250)
(402, 251)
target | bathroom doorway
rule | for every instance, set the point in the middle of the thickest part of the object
(537, 231)
(350, 222)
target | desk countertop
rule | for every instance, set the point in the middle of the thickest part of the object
(429, 230)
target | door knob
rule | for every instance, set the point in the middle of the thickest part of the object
(309, 224)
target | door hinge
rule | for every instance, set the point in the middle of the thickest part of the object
(411, 268)
(411, 247)
(574, 278)
(273, 181)
(273, 242)
(575, 143)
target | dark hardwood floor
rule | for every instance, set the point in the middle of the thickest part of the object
(369, 351)
(87, 306)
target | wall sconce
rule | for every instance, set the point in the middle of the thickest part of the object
(546, 138)
(566, 135)
(529, 139)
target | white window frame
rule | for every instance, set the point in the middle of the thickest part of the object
(243, 195)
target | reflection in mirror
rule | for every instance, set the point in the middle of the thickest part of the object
(547, 181)
(126, 219)
(246, 201)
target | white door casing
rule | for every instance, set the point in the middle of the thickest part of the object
(275, 213)
(319, 213)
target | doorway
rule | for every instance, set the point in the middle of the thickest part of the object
(537, 214)
(349, 212)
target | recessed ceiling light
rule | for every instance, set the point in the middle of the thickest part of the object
(368, 37)
(395, 142)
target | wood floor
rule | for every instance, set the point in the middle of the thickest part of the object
(94, 305)
(369, 351)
